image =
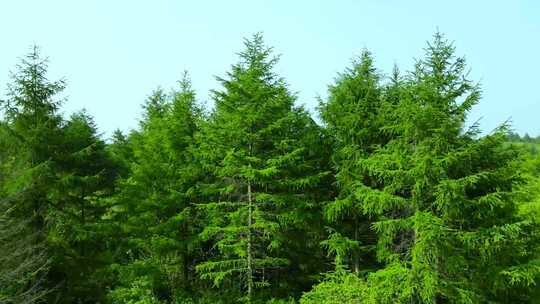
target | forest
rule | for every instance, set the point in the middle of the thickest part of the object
(387, 194)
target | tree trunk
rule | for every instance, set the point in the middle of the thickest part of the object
(249, 253)
(83, 222)
(356, 252)
(185, 257)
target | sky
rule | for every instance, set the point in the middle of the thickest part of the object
(114, 53)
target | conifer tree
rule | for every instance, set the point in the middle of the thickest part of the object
(352, 115)
(33, 127)
(54, 175)
(31, 139)
(256, 150)
(76, 230)
(448, 230)
(24, 262)
(156, 199)
(121, 152)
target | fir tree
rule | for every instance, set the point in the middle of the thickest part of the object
(24, 261)
(33, 127)
(447, 223)
(22, 256)
(352, 115)
(121, 152)
(76, 229)
(155, 202)
(31, 144)
(255, 148)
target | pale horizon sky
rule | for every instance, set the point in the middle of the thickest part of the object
(114, 53)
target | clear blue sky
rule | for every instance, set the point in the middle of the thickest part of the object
(114, 53)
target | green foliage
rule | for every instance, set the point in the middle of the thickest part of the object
(31, 144)
(340, 287)
(255, 147)
(24, 261)
(154, 205)
(57, 172)
(394, 199)
(444, 197)
(76, 229)
(139, 292)
(353, 118)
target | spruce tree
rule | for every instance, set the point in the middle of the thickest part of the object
(448, 228)
(155, 200)
(22, 256)
(24, 261)
(121, 152)
(76, 228)
(33, 127)
(352, 115)
(31, 144)
(255, 149)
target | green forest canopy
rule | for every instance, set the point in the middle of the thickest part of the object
(392, 198)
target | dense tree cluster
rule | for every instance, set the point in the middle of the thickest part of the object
(390, 198)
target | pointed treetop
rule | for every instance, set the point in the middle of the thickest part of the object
(395, 77)
(366, 63)
(257, 56)
(185, 82)
(442, 79)
(183, 100)
(30, 91)
(118, 136)
(155, 105)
